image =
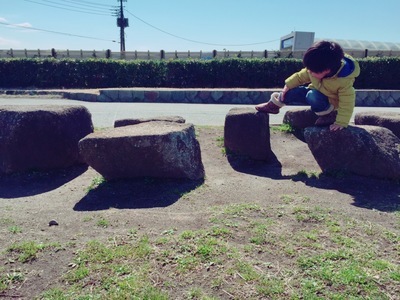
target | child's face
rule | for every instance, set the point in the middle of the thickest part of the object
(319, 75)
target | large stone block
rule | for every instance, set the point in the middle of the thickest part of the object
(41, 137)
(149, 149)
(300, 118)
(127, 122)
(247, 133)
(363, 150)
(389, 120)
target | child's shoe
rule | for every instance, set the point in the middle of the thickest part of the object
(272, 106)
(327, 119)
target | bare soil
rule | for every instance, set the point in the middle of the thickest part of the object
(30, 201)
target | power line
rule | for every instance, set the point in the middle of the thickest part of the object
(198, 42)
(88, 3)
(87, 11)
(57, 32)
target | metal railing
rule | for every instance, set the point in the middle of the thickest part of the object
(151, 55)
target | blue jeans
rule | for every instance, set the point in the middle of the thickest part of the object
(303, 95)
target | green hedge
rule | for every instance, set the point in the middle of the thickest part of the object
(376, 73)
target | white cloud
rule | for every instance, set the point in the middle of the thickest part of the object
(23, 25)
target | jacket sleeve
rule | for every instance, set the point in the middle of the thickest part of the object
(347, 100)
(298, 78)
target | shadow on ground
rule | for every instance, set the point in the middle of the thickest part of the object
(136, 193)
(271, 168)
(367, 192)
(370, 193)
(34, 183)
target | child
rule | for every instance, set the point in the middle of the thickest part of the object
(330, 75)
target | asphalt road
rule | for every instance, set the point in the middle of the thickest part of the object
(104, 114)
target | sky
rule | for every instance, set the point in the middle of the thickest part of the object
(182, 25)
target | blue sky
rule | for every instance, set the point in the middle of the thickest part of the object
(191, 25)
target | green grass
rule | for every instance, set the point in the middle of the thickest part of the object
(285, 127)
(28, 251)
(15, 229)
(103, 223)
(293, 250)
(96, 182)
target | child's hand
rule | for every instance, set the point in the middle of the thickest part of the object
(335, 127)
(284, 90)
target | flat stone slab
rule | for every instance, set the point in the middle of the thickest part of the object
(126, 122)
(41, 137)
(246, 132)
(150, 149)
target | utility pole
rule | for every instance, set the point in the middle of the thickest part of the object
(122, 22)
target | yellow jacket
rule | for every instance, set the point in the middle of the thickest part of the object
(338, 88)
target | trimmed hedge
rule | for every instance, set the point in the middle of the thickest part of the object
(376, 73)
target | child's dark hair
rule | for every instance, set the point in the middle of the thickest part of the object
(323, 55)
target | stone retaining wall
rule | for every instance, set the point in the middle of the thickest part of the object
(369, 98)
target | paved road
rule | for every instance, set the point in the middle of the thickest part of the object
(104, 114)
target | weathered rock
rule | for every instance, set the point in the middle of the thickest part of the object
(363, 150)
(150, 149)
(126, 122)
(41, 137)
(247, 133)
(300, 117)
(389, 120)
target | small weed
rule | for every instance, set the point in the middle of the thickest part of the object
(244, 270)
(304, 214)
(96, 182)
(10, 278)
(87, 219)
(169, 231)
(103, 223)
(287, 199)
(270, 287)
(303, 174)
(133, 232)
(240, 209)
(285, 127)
(220, 141)
(15, 229)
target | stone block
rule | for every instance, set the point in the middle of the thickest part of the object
(363, 150)
(300, 117)
(150, 149)
(41, 138)
(127, 122)
(389, 120)
(247, 133)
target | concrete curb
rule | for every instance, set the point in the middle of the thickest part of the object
(368, 98)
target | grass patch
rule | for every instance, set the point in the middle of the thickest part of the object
(15, 229)
(303, 175)
(28, 251)
(285, 127)
(103, 223)
(9, 279)
(243, 251)
(96, 182)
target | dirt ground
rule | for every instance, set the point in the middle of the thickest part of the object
(30, 201)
